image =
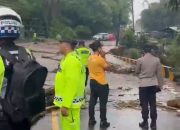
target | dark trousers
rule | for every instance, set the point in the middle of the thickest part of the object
(101, 92)
(87, 75)
(147, 96)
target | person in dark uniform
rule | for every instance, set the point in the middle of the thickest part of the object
(149, 70)
(9, 31)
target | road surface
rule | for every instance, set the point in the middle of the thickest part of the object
(126, 119)
(123, 87)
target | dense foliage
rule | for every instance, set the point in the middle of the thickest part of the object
(158, 17)
(70, 18)
(174, 4)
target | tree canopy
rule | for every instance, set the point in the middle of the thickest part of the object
(158, 17)
(174, 4)
(70, 18)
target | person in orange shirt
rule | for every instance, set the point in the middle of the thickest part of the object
(98, 65)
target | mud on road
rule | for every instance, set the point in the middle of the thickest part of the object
(123, 97)
(124, 87)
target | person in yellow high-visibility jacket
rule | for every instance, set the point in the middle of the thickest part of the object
(84, 54)
(69, 87)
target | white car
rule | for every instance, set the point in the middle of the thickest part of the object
(100, 36)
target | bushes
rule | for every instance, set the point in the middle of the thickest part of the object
(133, 53)
(141, 41)
(68, 33)
(173, 56)
(83, 32)
(62, 30)
(128, 39)
(178, 39)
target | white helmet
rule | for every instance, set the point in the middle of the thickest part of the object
(10, 23)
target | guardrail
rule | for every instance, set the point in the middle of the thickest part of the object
(167, 71)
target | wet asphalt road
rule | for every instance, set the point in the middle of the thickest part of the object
(126, 119)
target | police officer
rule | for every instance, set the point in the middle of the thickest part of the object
(84, 54)
(149, 70)
(10, 26)
(69, 86)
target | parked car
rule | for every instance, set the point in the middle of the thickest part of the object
(100, 36)
(111, 37)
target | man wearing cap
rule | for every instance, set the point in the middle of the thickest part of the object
(149, 70)
(69, 86)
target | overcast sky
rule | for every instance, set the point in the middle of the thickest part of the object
(139, 5)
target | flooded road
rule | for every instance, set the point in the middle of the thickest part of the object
(123, 89)
(127, 82)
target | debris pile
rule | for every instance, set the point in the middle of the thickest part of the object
(120, 69)
(134, 104)
(174, 103)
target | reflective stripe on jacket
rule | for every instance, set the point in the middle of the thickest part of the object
(70, 82)
(2, 71)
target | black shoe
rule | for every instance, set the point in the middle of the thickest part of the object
(144, 125)
(104, 124)
(92, 122)
(153, 125)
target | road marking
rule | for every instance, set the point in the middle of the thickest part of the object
(55, 120)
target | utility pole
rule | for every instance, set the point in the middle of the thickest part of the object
(132, 2)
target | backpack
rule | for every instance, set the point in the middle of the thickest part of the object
(25, 97)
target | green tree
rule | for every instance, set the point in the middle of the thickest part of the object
(158, 17)
(174, 4)
(81, 17)
(129, 39)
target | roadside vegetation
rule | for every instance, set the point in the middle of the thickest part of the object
(70, 18)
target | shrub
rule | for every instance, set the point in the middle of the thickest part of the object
(129, 39)
(83, 32)
(173, 56)
(68, 33)
(133, 53)
(142, 40)
(178, 39)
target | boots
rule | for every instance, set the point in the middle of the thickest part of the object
(144, 124)
(92, 123)
(104, 124)
(153, 125)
